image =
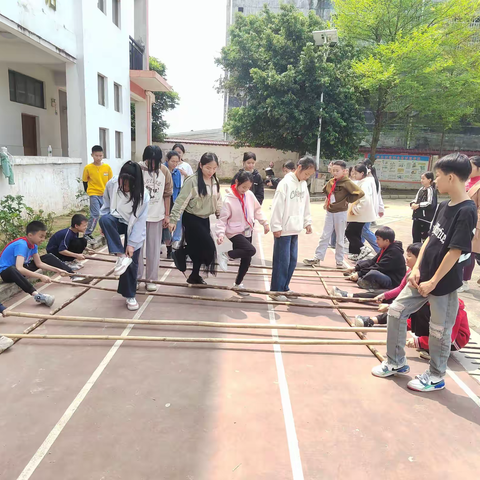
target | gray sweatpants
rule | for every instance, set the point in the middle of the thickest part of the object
(151, 248)
(444, 311)
(333, 222)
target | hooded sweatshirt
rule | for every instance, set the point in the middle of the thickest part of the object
(364, 209)
(257, 187)
(291, 206)
(345, 192)
(232, 219)
(389, 262)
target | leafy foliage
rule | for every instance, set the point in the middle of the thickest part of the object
(277, 73)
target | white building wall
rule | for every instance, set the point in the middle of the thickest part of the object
(48, 123)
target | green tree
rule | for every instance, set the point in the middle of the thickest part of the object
(412, 55)
(164, 101)
(277, 73)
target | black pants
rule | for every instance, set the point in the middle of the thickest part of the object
(354, 235)
(242, 248)
(200, 245)
(371, 294)
(12, 275)
(420, 231)
(76, 245)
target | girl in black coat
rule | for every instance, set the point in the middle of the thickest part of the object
(424, 207)
(249, 159)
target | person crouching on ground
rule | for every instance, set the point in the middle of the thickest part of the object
(125, 212)
(239, 211)
(435, 278)
(290, 215)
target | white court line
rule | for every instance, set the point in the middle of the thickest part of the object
(464, 387)
(57, 429)
(292, 439)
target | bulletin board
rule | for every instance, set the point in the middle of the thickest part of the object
(401, 168)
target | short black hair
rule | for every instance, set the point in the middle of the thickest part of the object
(386, 233)
(339, 163)
(456, 163)
(414, 248)
(97, 148)
(243, 177)
(289, 165)
(78, 219)
(248, 156)
(180, 146)
(306, 162)
(36, 226)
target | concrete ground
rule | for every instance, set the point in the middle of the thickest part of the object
(84, 409)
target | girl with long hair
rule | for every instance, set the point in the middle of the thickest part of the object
(423, 207)
(360, 212)
(199, 198)
(125, 212)
(239, 211)
(249, 160)
(158, 181)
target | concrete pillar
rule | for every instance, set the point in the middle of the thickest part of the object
(141, 128)
(141, 27)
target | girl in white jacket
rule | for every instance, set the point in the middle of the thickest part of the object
(239, 211)
(360, 212)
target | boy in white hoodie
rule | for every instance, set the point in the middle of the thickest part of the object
(290, 215)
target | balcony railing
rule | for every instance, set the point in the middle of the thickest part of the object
(136, 55)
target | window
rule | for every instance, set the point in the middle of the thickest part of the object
(102, 5)
(118, 144)
(103, 140)
(117, 97)
(116, 12)
(102, 91)
(26, 90)
(240, 9)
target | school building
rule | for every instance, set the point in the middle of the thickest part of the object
(69, 72)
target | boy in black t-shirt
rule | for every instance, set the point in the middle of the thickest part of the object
(435, 278)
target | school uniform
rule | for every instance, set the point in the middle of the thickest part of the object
(66, 239)
(258, 189)
(422, 217)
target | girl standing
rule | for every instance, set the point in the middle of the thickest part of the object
(173, 158)
(124, 212)
(249, 160)
(158, 181)
(423, 207)
(473, 189)
(237, 216)
(360, 212)
(184, 167)
(198, 199)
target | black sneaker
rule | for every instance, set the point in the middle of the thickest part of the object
(361, 321)
(169, 252)
(196, 280)
(179, 258)
(362, 283)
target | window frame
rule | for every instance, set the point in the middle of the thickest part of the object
(37, 89)
(117, 12)
(104, 4)
(103, 144)
(118, 144)
(105, 88)
(117, 97)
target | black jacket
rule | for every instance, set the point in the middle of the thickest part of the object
(426, 198)
(392, 264)
(257, 187)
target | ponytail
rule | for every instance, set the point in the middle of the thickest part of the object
(368, 163)
(430, 177)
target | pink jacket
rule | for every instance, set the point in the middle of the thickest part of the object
(391, 294)
(232, 220)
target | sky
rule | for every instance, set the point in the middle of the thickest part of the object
(187, 35)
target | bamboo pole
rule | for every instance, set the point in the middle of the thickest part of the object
(233, 289)
(187, 323)
(254, 341)
(212, 299)
(347, 319)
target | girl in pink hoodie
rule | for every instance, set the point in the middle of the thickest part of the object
(239, 211)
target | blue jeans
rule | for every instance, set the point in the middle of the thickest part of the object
(369, 236)
(96, 203)
(112, 229)
(378, 280)
(285, 252)
(177, 234)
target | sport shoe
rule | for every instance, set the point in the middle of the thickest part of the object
(78, 279)
(362, 283)
(353, 256)
(75, 266)
(5, 343)
(279, 298)
(89, 238)
(132, 303)
(314, 262)
(151, 287)
(196, 280)
(364, 252)
(464, 288)
(122, 264)
(45, 299)
(361, 321)
(426, 382)
(340, 266)
(291, 295)
(425, 355)
(386, 370)
(238, 290)
(223, 261)
(339, 293)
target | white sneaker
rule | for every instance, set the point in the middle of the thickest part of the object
(5, 343)
(223, 261)
(386, 370)
(75, 266)
(132, 303)
(279, 298)
(122, 264)
(292, 295)
(151, 287)
(238, 290)
(364, 252)
(314, 262)
(78, 279)
(464, 288)
(353, 256)
(340, 266)
(47, 300)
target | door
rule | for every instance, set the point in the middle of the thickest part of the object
(62, 97)
(29, 131)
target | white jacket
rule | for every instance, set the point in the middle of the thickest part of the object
(378, 200)
(364, 210)
(291, 206)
